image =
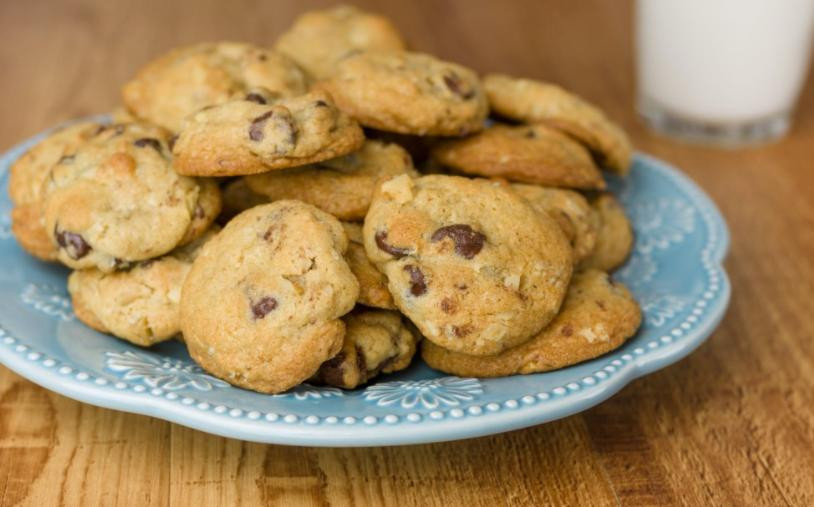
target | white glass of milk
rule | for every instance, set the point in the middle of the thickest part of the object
(722, 71)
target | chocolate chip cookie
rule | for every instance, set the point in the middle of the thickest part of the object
(410, 93)
(341, 186)
(190, 78)
(261, 306)
(372, 284)
(318, 39)
(537, 102)
(597, 316)
(140, 305)
(376, 341)
(614, 238)
(26, 177)
(257, 134)
(116, 199)
(473, 266)
(526, 153)
(576, 217)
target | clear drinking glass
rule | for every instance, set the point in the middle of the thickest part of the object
(725, 72)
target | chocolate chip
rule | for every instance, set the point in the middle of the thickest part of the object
(331, 371)
(448, 305)
(321, 103)
(462, 331)
(145, 264)
(287, 124)
(148, 141)
(263, 307)
(567, 330)
(418, 286)
(75, 245)
(530, 134)
(273, 231)
(381, 242)
(65, 159)
(360, 360)
(256, 127)
(468, 242)
(282, 123)
(456, 86)
(601, 304)
(262, 57)
(256, 97)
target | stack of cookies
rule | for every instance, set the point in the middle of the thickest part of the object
(322, 210)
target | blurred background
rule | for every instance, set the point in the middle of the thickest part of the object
(71, 57)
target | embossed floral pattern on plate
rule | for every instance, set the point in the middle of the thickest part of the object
(675, 272)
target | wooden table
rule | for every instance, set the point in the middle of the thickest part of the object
(733, 424)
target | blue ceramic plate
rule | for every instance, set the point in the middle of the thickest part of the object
(675, 272)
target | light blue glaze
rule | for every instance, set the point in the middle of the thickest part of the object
(675, 272)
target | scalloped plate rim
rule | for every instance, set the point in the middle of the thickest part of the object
(426, 429)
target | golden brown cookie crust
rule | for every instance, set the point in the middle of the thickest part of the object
(575, 215)
(139, 305)
(26, 177)
(28, 229)
(409, 93)
(341, 186)
(597, 316)
(614, 238)
(187, 79)
(255, 135)
(261, 306)
(472, 265)
(376, 341)
(29, 171)
(116, 200)
(85, 315)
(372, 283)
(205, 212)
(525, 153)
(318, 39)
(533, 101)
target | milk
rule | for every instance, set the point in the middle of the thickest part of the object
(722, 62)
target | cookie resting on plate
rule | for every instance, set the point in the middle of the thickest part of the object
(141, 304)
(261, 306)
(597, 316)
(533, 101)
(472, 265)
(116, 200)
(376, 341)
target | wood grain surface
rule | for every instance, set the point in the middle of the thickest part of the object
(733, 424)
